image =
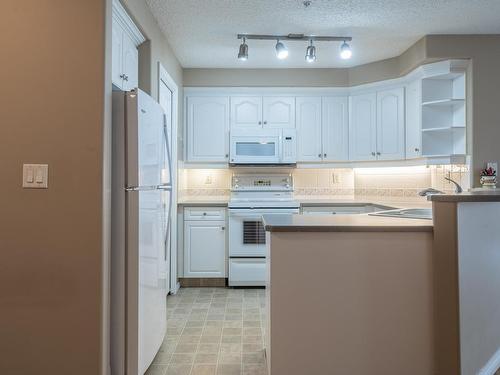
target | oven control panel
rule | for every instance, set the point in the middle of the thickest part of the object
(251, 182)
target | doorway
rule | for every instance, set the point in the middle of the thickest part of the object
(168, 97)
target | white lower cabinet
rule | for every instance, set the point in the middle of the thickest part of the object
(205, 248)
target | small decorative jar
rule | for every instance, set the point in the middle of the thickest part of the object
(488, 178)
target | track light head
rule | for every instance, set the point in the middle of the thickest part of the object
(311, 53)
(345, 51)
(281, 50)
(243, 52)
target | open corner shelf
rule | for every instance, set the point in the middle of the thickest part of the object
(444, 102)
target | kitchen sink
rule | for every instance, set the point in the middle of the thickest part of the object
(407, 213)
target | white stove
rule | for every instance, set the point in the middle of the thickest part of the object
(251, 197)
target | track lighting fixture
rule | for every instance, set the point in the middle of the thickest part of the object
(243, 52)
(281, 50)
(311, 52)
(345, 51)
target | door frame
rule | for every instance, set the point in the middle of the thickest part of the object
(165, 78)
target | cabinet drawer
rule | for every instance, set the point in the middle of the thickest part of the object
(204, 213)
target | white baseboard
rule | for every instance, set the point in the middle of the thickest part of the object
(492, 366)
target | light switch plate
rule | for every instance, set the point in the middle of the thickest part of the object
(36, 176)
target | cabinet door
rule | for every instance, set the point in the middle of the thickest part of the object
(207, 129)
(130, 63)
(116, 54)
(362, 127)
(390, 124)
(309, 129)
(246, 112)
(278, 112)
(335, 129)
(413, 120)
(204, 249)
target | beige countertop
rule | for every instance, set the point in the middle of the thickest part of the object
(344, 223)
(312, 201)
(478, 195)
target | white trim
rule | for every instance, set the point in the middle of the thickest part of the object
(164, 77)
(492, 365)
(126, 22)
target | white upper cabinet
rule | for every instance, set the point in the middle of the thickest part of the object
(363, 127)
(335, 128)
(256, 112)
(309, 146)
(246, 112)
(130, 64)
(278, 112)
(208, 129)
(390, 124)
(125, 39)
(116, 53)
(413, 119)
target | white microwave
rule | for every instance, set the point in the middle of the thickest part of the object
(263, 146)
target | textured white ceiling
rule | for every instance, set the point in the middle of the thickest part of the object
(203, 32)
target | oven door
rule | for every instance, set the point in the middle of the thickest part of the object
(255, 149)
(247, 237)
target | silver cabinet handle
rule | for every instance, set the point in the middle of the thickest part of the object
(204, 214)
(373, 154)
(227, 155)
(122, 76)
(324, 155)
(222, 228)
(265, 122)
(319, 155)
(378, 153)
(417, 149)
(260, 122)
(125, 77)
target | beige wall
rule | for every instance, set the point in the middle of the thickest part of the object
(52, 74)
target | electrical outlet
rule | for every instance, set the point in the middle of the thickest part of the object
(335, 178)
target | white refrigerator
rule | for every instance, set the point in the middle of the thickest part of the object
(141, 200)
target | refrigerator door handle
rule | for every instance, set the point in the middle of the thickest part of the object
(165, 187)
(169, 159)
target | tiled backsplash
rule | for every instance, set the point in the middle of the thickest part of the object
(341, 183)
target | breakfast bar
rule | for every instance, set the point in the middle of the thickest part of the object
(349, 294)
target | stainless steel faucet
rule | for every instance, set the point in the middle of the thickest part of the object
(458, 188)
(429, 191)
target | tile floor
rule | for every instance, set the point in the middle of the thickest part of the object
(213, 331)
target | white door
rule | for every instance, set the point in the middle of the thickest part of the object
(390, 124)
(204, 249)
(207, 129)
(309, 129)
(130, 64)
(278, 112)
(335, 128)
(116, 54)
(246, 112)
(413, 120)
(363, 127)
